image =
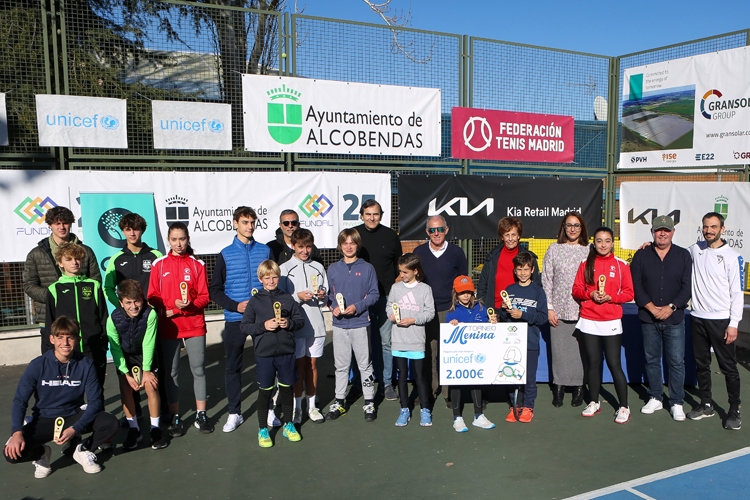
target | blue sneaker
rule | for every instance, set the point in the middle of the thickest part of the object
(291, 432)
(425, 418)
(403, 417)
(264, 439)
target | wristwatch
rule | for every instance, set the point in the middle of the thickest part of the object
(673, 307)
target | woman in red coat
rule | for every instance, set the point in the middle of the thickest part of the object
(600, 320)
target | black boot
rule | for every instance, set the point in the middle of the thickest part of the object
(558, 392)
(577, 396)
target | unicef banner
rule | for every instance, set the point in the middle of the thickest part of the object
(483, 353)
(686, 203)
(3, 121)
(326, 203)
(81, 122)
(192, 125)
(320, 116)
(687, 112)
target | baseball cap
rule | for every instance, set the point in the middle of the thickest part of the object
(663, 222)
(463, 284)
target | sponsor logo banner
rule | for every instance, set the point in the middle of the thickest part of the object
(192, 125)
(3, 121)
(693, 111)
(300, 115)
(483, 353)
(82, 122)
(482, 134)
(472, 204)
(205, 201)
(686, 203)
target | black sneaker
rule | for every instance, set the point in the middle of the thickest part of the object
(370, 414)
(134, 437)
(702, 411)
(175, 426)
(201, 423)
(390, 393)
(734, 422)
(335, 411)
(157, 441)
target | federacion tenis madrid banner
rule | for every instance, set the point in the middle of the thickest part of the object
(301, 115)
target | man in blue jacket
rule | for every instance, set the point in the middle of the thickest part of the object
(59, 379)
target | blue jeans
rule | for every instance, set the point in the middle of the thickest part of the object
(380, 329)
(672, 338)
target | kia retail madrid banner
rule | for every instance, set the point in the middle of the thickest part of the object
(686, 203)
(483, 134)
(301, 115)
(326, 203)
(81, 122)
(687, 112)
(473, 204)
(192, 125)
(3, 121)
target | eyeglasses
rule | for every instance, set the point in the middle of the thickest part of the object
(573, 226)
(432, 230)
(290, 222)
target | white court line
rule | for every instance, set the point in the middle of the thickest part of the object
(628, 485)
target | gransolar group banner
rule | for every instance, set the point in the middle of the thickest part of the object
(82, 122)
(693, 111)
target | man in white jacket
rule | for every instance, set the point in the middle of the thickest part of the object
(717, 306)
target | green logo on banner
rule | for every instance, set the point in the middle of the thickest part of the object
(722, 206)
(636, 87)
(284, 118)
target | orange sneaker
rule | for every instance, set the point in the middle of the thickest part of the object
(511, 416)
(526, 415)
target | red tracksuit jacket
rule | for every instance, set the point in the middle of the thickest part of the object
(619, 286)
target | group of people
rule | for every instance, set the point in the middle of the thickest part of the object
(276, 295)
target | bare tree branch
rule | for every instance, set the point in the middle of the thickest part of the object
(396, 19)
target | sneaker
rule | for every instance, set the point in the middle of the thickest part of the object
(459, 425)
(175, 426)
(43, 467)
(511, 417)
(403, 417)
(733, 423)
(202, 424)
(335, 411)
(678, 414)
(264, 439)
(315, 415)
(592, 409)
(297, 417)
(623, 415)
(482, 422)
(700, 412)
(652, 406)
(390, 393)
(134, 437)
(273, 420)
(425, 418)
(87, 460)
(369, 409)
(157, 440)
(526, 415)
(234, 420)
(291, 433)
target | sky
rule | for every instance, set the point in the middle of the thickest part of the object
(601, 27)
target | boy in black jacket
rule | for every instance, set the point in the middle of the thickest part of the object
(270, 318)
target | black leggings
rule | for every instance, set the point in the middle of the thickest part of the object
(476, 398)
(264, 402)
(612, 345)
(402, 365)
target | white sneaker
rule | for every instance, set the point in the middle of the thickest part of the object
(623, 415)
(592, 409)
(678, 414)
(43, 468)
(483, 422)
(87, 460)
(315, 415)
(273, 420)
(652, 406)
(460, 425)
(234, 420)
(297, 416)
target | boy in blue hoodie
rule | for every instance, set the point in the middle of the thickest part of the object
(356, 284)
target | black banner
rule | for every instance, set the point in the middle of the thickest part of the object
(473, 204)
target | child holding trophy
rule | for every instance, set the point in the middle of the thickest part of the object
(602, 284)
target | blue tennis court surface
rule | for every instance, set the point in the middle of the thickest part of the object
(724, 476)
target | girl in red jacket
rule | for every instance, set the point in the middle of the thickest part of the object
(178, 290)
(600, 321)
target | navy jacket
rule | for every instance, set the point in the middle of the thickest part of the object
(271, 343)
(440, 272)
(532, 302)
(662, 282)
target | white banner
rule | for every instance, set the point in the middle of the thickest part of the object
(81, 122)
(326, 202)
(483, 353)
(192, 125)
(687, 112)
(322, 116)
(686, 203)
(3, 121)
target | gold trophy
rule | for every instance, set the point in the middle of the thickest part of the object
(253, 291)
(136, 372)
(506, 300)
(277, 310)
(396, 312)
(340, 302)
(491, 314)
(184, 291)
(59, 423)
(314, 280)
(602, 281)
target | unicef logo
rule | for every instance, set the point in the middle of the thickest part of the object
(110, 122)
(481, 358)
(470, 130)
(109, 229)
(216, 126)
